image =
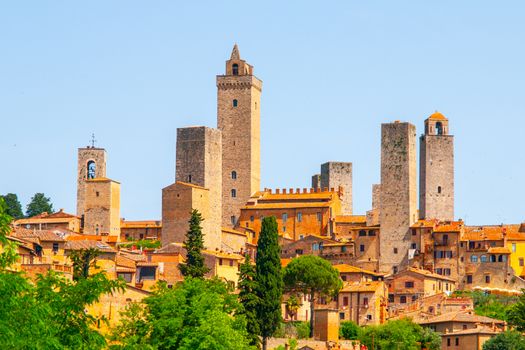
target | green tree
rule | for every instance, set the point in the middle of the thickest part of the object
(349, 330)
(83, 260)
(248, 299)
(509, 340)
(516, 313)
(14, 208)
(399, 334)
(268, 278)
(194, 244)
(133, 329)
(313, 276)
(38, 205)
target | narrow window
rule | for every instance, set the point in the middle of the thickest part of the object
(362, 233)
(252, 218)
(514, 247)
(97, 194)
(365, 301)
(474, 258)
(234, 175)
(395, 250)
(55, 248)
(233, 219)
(483, 258)
(91, 169)
(395, 269)
(487, 278)
(522, 262)
(220, 261)
(341, 315)
(362, 248)
(345, 301)
(414, 246)
(255, 105)
(284, 218)
(448, 341)
(439, 128)
(403, 299)
(234, 193)
(235, 103)
(439, 189)
(319, 217)
(235, 69)
(299, 217)
(189, 179)
(457, 341)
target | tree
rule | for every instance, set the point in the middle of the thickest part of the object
(313, 276)
(516, 313)
(14, 208)
(349, 330)
(194, 244)
(399, 334)
(248, 299)
(195, 314)
(509, 340)
(268, 279)
(38, 205)
(82, 261)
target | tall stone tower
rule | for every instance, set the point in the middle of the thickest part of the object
(91, 165)
(102, 207)
(335, 174)
(436, 170)
(238, 117)
(398, 203)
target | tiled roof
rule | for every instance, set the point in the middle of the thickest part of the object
(345, 268)
(461, 316)
(124, 261)
(351, 219)
(424, 223)
(232, 231)
(82, 237)
(427, 273)
(451, 226)
(493, 233)
(79, 245)
(477, 330)
(499, 250)
(285, 205)
(221, 254)
(362, 286)
(41, 235)
(140, 224)
(438, 116)
(172, 248)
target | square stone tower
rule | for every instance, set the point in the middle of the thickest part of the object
(238, 117)
(198, 164)
(102, 207)
(91, 165)
(398, 197)
(436, 170)
(335, 174)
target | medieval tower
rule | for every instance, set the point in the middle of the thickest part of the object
(436, 170)
(335, 175)
(238, 117)
(91, 165)
(398, 198)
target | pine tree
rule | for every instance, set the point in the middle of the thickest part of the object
(248, 299)
(269, 283)
(39, 204)
(14, 208)
(194, 244)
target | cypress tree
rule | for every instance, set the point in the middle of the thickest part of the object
(194, 244)
(248, 299)
(269, 282)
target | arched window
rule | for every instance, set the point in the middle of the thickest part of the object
(439, 189)
(493, 258)
(474, 258)
(234, 193)
(483, 258)
(235, 69)
(234, 175)
(439, 128)
(91, 169)
(235, 103)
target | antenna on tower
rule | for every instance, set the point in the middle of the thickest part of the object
(93, 140)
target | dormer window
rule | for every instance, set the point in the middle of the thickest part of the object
(235, 69)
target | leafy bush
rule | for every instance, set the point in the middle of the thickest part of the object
(295, 329)
(349, 330)
(143, 243)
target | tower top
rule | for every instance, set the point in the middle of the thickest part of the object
(236, 66)
(437, 116)
(436, 124)
(93, 140)
(235, 53)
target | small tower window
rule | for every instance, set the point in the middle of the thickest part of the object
(234, 193)
(233, 219)
(439, 128)
(189, 178)
(235, 69)
(255, 105)
(234, 175)
(91, 169)
(235, 103)
(439, 189)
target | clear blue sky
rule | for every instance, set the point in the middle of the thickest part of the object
(134, 71)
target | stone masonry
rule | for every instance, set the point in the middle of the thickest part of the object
(398, 203)
(85, 157)
(102, 207)
(316, 181)
(436, 177)
(335, 175)
(238, 117)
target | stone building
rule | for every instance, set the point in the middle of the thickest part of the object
(91, 165)
(102, 207)
(46, 221)
(363, 302)
(138, 230)
(336, 175)
(436, 170)
(398, 208)
(238, 118)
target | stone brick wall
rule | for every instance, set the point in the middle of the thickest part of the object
(239, 122)
(85, 155)
(398, 207)
(316, 181)
(102, 207)
(335, 174)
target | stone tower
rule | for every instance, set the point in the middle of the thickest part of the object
(436, 170)
(398, 203)
(238, 117)
(198, 175)
(91, 165)
(102, 207)
(335, 175)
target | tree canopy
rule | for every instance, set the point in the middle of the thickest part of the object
(14, 208)
(509, 340)
(194, 244)
(516, 313)
(38, 205)
(268, 278)
(248, 299)
(313, 276)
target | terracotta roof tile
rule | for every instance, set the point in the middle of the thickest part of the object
(140, 224)
(352, 219)
(79, 245)
(461, 316)
(362, 286)
(345, 268)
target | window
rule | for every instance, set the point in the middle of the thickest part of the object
(474, 258)
(362, 233)
(414, 297)
(448, 341)
(189, 179)
(235, 69)
(97, 194)
(299, 217)
(414, 246)
(315, 246)
(231, 262)
(487, 278)
(252, 218)
(299, 251)
(403, 299)
(141, 236)
(483, 258)
(126, 276)
(371, 233)
(395, 250)
(439, 128)
(362, 248)
(319, 217)
(234, 193)
(284, 218)
(234, 175)
(395, 269)
(233, 219)
(365, 301)
(343, 277)
(457, 341)
(514, 247)
(369, 317)
(147, 273)
(220, 261)
(91, 169)
(345, 301)
(391, 298)
(414, 232)
(409, 284)
(439, 271)
(343, 249)
(55, 248)
(493, 258)
(439, 189)
(445, 239)
(446, 272)
(284, 228)
(341, 315)
(521, 262)
(235, 103)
